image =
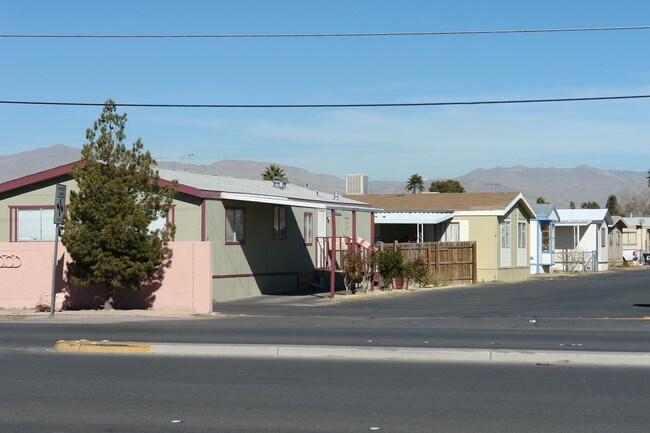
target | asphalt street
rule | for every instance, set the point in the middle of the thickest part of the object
(53, 393)
(599, 312)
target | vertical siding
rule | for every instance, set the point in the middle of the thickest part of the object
(520, 266)
(261, 264)
(187, 217)
(485, 231)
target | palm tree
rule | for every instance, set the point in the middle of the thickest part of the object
(274, 171)
(415, 181)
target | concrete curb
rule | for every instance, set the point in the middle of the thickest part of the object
(358, 353)
(103, 346)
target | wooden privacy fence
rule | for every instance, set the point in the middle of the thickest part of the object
(455, 261)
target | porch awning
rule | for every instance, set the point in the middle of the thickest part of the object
(412, 217)
(573, 223)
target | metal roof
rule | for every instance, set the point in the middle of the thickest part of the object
(637, 221)
(568, 215)
(545, 211)
(262, 191)
(573, 223)
(412, 217)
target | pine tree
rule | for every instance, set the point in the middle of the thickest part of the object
(107, 225)
(613, 206)
(589, 205)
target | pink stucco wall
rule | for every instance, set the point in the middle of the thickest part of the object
(26, 275)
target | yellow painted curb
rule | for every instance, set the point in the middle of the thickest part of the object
(104, 346)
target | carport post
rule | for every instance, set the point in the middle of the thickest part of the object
(333, 252)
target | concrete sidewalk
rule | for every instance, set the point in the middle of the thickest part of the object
(357, 353)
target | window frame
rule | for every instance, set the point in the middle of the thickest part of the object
(546, 238)
(242, 211)
(627, 235)
(14, 222)
(280, 215)
(170, 217)
(522, 235)
(506, 234)
(308, 229)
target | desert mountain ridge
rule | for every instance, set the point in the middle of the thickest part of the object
(559, 186)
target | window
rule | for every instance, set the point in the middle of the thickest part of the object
(546, 237)
(452, 233)
(629, 238)
(506, 239)
(158, 224)
(521, 235)
(235, 225)
(505, 235)
(36, 224)
(603, 235)
(279, 222)
(308, 228)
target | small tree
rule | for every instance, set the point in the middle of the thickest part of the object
(589, 205)
(541, 200)
(414, 182)
(354, 268)
(572, 205)
(390, 264)
(107, 225)
(613, 206)
(448, 185)
(274, 171)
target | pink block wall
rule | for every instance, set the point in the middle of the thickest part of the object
(26, 274)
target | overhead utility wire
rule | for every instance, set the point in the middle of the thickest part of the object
(317, 35)
(388, 104)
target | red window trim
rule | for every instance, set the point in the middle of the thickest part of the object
(13, 219)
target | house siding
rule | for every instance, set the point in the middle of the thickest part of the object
(187, 217)
(38, 194)
(484, 230)
(519, 267)
(260, 265)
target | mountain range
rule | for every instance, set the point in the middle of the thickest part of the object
(559, 186)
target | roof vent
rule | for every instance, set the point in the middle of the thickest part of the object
(337, 196)
(279, 183)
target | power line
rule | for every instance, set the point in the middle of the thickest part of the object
(358, 105)
(315, 35)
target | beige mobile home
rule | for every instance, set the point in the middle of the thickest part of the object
(498, 222)
(263, 234)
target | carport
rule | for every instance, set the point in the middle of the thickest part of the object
(402, 224)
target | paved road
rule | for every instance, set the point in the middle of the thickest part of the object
(51, 392)
(614, 295)
(597, 313)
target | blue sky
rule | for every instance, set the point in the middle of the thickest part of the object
(385, 143)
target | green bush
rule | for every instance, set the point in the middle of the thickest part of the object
(391, 265)
(417, 270)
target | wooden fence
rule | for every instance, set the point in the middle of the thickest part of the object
(455, 261)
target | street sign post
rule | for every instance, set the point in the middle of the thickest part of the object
(59, 211)
(59, 203)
